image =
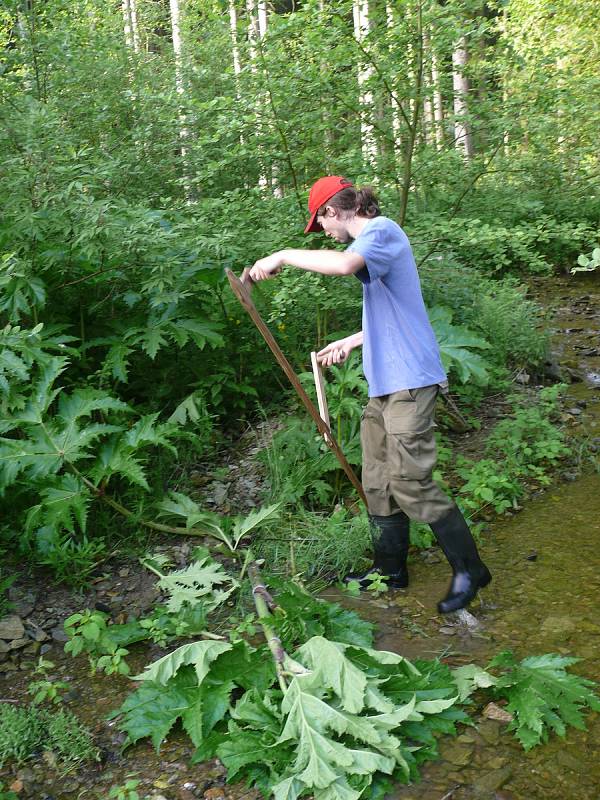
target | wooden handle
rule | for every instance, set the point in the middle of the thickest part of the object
(320, 387)
(246, 279)
(242, 292)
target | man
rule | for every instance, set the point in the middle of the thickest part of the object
(404, 372)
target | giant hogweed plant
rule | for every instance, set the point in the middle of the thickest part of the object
(62, 450)
(314, 710)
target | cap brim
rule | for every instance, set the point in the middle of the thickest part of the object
(313, 226)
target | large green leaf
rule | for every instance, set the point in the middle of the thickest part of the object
(198, 654)
(197, 583)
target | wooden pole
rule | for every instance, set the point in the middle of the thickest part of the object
(242, 292)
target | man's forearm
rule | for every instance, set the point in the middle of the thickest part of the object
(355, 340)
(327, 262)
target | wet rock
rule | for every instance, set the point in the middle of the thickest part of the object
(17, 644)
(560, 627)
(492, 780)
(569, 761)
(8, 666)
(447, 630)
(215, 793)
(4, 647)
(493, 711)
(457, 753)
(489, 731)
(35, 632)
(58, 634)
(23, 606)
(11, 627)
(569, 476)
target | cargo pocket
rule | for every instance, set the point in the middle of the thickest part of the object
(411, 447)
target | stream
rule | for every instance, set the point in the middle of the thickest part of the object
(545, 597)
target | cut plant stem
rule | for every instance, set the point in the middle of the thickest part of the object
(260, 595)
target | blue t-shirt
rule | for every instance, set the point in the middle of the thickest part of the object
(400, 350)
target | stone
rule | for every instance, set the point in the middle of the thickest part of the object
(457, 753)
(494, 711)
(489, 731)
(492, 781)
(560, 627)
(11, 627)
(569, 761)
(58, 634)
(17, 644)
(447, 631)
(215, 793)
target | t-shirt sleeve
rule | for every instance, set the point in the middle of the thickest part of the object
(373, 246)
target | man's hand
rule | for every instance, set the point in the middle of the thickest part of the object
(267, 267)
(337, 352)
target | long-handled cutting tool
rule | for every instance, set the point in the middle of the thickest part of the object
(241, 289)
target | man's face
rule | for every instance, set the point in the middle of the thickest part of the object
(333, 226)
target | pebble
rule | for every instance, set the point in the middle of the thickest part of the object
(215, 793)
(447, 631)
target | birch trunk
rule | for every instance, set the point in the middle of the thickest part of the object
(254, 23)
(428, 118)
(438, 106)
(362, 27)
(130, 24)
(462, 133)
(180, 88)
(396, 120)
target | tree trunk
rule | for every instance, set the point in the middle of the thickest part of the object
(462, 133)
(130, 24)
(362, 27)
(438, 105)
(180, 88)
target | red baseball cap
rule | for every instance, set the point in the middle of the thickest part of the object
(322, 191)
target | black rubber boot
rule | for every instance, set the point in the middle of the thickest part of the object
(390, 551)
(469, 572)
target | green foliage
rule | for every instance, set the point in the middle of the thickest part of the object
(456, 347)
(7, 794)
(6, 581)
(525, 448)
(498, 309)
(230, 531)
(542, 695)
(46, 689)
(25, 731)
(126, 791)
(299, 615)
(191, 595)
(588, 263)
(316, 545)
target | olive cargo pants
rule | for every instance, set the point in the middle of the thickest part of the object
(399, 454)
